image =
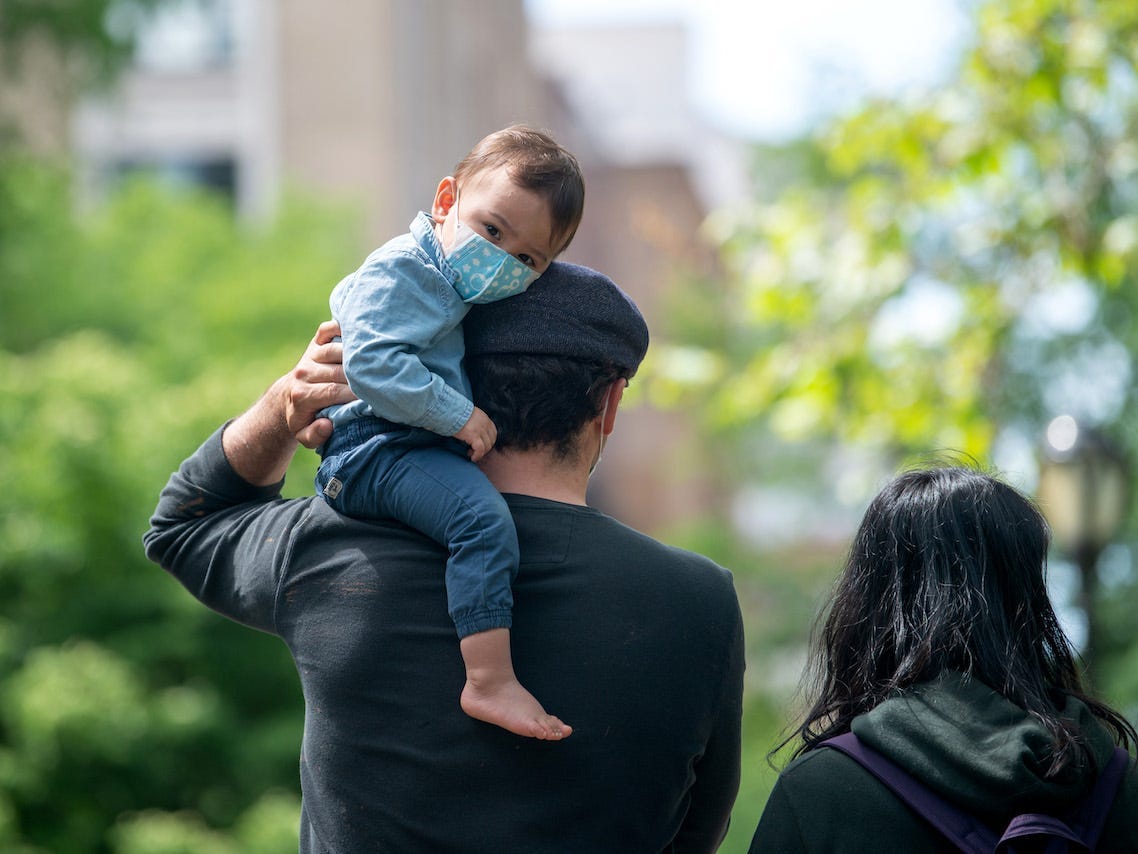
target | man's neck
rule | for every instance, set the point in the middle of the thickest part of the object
(537, 473)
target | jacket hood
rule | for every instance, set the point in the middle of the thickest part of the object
(978, 749)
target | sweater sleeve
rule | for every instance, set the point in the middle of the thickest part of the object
(390, 314)
(223, 538)
(717, 771)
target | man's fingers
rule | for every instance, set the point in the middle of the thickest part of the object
(315, 434)
(307, 398)
(322, 364)
(328, 353)
(326, 331)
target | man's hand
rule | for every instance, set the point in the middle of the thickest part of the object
(261, 441)
(317, 381)
(479, 433)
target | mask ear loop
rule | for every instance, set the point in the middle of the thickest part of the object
(457, 218)
(463, 234)
(601, 437)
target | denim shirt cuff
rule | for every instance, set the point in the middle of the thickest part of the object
(449, 413)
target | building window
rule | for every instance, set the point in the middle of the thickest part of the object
(180, 36)
(218, 174)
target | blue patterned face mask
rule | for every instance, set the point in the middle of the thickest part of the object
(486, 273)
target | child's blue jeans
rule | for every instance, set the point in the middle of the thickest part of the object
(427, 482)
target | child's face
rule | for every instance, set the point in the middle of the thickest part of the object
(512, 217)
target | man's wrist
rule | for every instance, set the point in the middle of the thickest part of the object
(258, 443)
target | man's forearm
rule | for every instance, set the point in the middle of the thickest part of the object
(258, 443)
(261, 443)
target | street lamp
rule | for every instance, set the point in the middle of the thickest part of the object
(1084, 491)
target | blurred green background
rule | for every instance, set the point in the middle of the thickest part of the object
(134, 721)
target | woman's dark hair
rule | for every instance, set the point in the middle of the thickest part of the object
(540, 401)
(947, 573)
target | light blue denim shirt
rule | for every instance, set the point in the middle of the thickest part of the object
(401, 322)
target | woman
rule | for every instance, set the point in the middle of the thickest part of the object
(942, 652)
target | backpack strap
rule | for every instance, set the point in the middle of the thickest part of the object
(1101, 799)
(962, 829)
(1084, 824)
(1047, 827)
(969, 834)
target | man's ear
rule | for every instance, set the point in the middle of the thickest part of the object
(445, 197)
(613, 397)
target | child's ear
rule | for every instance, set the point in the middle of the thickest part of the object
(445, 196)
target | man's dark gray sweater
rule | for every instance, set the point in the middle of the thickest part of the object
(637, 645)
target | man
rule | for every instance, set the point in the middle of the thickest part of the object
(639, 645)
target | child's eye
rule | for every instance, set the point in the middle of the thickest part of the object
(492, 230)
(527, 260)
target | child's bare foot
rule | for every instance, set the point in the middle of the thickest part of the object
(493, 693)
(512, 707)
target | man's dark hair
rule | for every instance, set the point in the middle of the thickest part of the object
(540, 401)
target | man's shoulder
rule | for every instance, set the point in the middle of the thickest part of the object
(663, 551)
(322, 520)
(583, 535)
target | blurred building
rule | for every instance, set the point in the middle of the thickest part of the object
(35, 93)
(362, 100)
(371, 101)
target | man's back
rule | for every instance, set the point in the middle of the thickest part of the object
(638, 646)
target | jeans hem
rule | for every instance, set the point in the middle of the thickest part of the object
(483, 622)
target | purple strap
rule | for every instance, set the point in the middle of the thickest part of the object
(1085, 823)
(969, 834)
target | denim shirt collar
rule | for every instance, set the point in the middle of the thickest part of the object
(423, 230)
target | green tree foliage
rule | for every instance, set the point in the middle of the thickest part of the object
(961, 262)
(948, 271)
(131, 718)
(77, 29)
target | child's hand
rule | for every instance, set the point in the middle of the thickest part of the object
(479, 433)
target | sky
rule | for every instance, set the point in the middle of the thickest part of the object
(767, 69)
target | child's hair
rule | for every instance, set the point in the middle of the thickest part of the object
(536, 162)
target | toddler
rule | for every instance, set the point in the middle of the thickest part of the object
(406, 449)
